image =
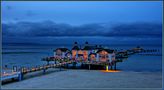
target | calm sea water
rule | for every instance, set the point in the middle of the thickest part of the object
(30, 56)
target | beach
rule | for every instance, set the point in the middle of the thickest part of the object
(90, 79)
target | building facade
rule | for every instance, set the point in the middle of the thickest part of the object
(87, 53)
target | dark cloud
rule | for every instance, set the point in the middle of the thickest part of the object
(137, 30)
(51, 29)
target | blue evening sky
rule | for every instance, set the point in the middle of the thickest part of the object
(82, 12)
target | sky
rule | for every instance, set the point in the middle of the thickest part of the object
(81, 12)
(46, 21)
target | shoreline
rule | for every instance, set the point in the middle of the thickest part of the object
(70, 78)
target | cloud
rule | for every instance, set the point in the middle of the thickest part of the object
(52, 29)
(144, 30)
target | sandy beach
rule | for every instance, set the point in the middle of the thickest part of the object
(81, 79)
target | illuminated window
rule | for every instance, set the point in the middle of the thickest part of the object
(103, 55)
(74, 52)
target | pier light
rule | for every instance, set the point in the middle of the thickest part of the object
(106, 67)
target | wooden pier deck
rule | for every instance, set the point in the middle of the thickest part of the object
(11, 75)
(19, 74)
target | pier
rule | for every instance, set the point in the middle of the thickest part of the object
(109, 65)
(19, 73)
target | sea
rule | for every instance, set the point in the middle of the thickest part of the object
(31, 56)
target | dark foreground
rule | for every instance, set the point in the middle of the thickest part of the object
(81, 79)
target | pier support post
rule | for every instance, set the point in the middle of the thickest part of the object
(47, 62)
(82, 65)
(60, 68)
(44, 71)
(67, 65)
(20, 76)
(74, 65)
(115, 65)
(55, 61)
(89, 66)
(111, 67)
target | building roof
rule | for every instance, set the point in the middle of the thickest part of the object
(75, 48)
(87, 48)
(92, 53)
(62, 49)
(107, 50)
(121, 52)
(91, 47)
(68, 52)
